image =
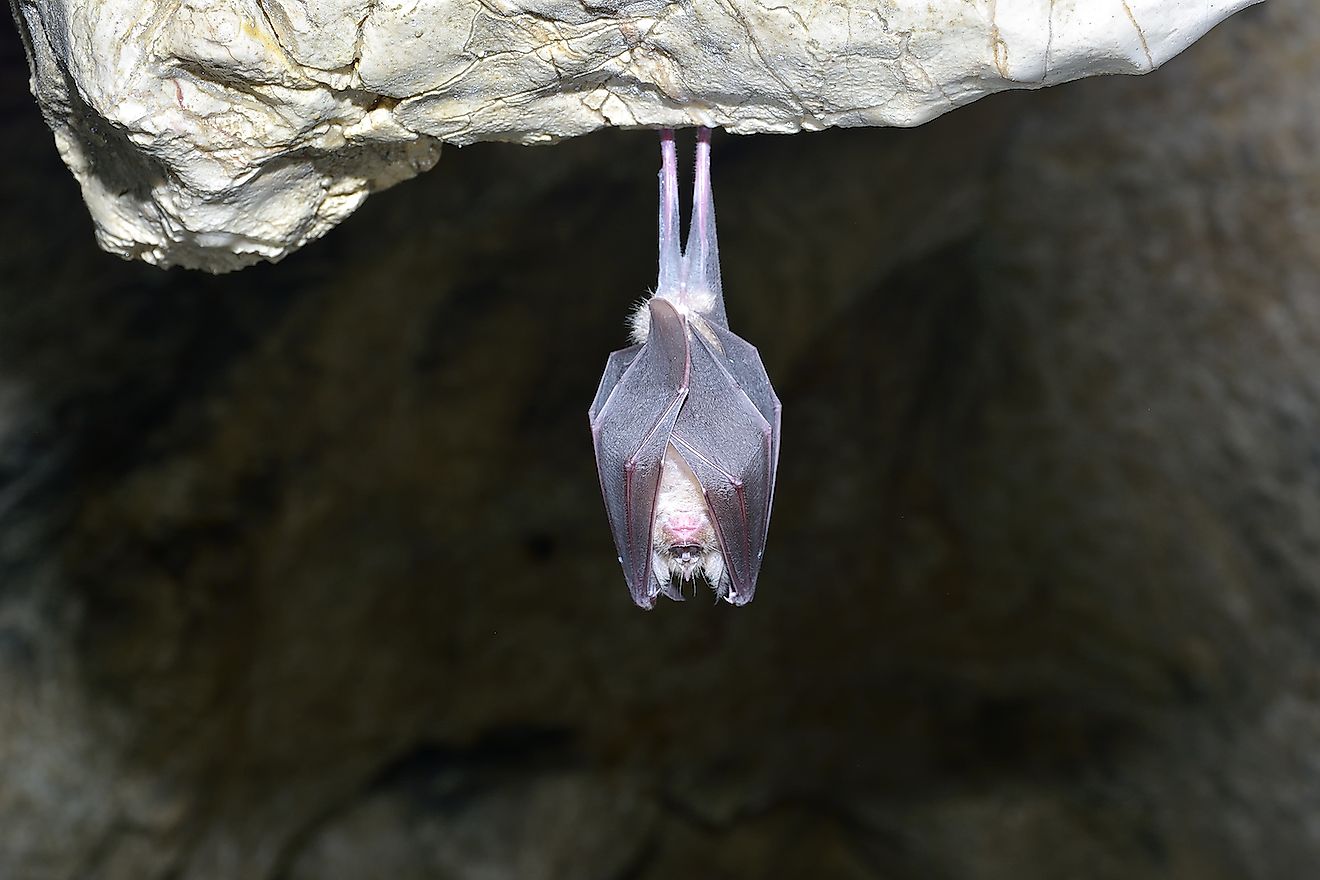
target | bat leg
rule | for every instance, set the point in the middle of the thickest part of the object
(671, 256)
(702, 254)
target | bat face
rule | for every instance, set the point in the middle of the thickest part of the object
(685, 422)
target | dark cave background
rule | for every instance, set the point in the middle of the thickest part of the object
(304, 572)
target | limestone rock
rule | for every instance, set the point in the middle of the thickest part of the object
(213, 133)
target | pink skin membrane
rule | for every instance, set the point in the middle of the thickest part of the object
(685, 526)
(689, 278)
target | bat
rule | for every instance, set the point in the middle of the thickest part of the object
(685, 423)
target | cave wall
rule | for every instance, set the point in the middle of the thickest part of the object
(304, 573)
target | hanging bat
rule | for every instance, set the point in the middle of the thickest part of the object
(685, 423)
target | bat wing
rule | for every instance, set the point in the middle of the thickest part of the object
(615, 367)
(632, 418)
(744, 364)
(728, 432)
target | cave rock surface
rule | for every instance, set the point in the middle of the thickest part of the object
(215, 133)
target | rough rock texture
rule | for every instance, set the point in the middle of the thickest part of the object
(214, 133)
(303, 572)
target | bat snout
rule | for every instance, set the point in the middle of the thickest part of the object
(687, 554)
(686, 559)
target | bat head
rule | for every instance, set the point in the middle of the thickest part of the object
(684, 543)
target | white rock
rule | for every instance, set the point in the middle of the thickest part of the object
(213, 133)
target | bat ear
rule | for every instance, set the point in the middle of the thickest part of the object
(701, 257)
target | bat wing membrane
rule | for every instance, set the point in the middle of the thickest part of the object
(639, 401)
(731, 446)
(615, 366)
(744, 364)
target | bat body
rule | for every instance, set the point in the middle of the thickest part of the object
(685, 422)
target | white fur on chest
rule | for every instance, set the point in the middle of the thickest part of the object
(691, 304)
